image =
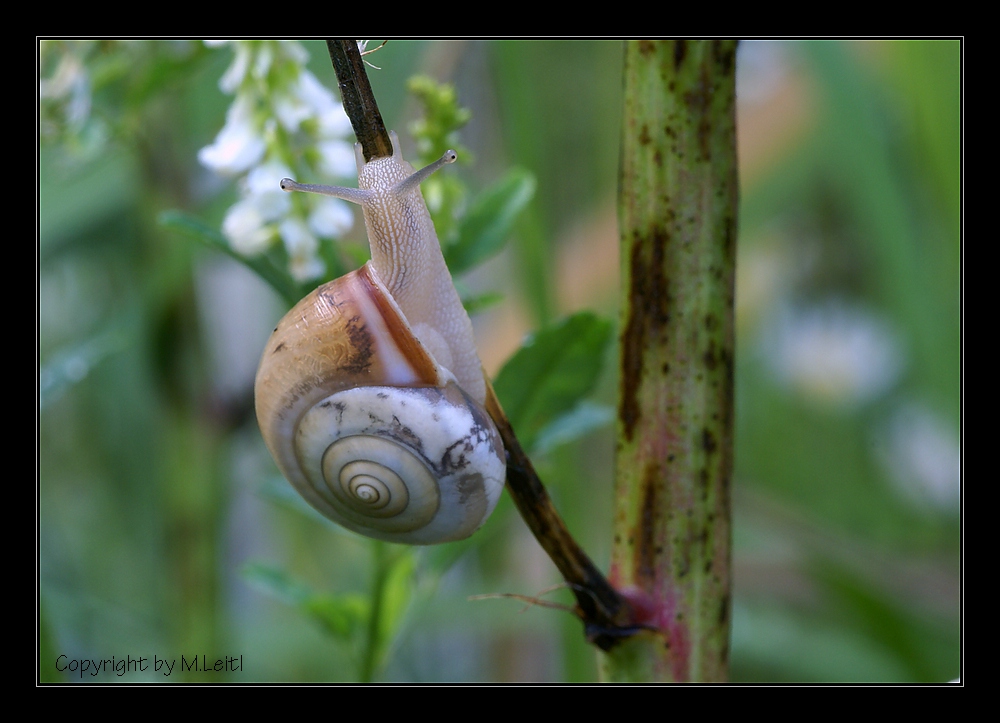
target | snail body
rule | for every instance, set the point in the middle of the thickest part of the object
(370, 392)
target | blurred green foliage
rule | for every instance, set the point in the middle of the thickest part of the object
(155, 489)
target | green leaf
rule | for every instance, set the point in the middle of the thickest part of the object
(779, 642)
(481, 302)
(194, 228)
(486, 227)
(277, 583)
(396, 594)
(583, 419)
(928, 649)
(552, 372)
(341, 616)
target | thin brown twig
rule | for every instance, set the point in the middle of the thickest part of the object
(532, 601)
(358, 99)
(605, 614)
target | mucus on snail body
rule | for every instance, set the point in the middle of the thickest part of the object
(370, 391)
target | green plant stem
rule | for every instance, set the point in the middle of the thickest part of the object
(373, 638)
(678, 205)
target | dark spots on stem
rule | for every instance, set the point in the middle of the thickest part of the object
(708, 442)
(680, 52)
(649, 315)
(646, 548)
(709, 357)
(724, 55)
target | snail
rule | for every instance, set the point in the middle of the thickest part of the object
(370, 393)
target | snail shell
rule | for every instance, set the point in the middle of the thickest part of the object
(367, 426)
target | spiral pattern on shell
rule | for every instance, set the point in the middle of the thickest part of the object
(417, 465)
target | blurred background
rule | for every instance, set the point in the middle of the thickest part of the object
(164, 528)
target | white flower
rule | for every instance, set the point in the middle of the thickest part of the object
(302, 247)
(237, 70)
(69, 80)
(294, 52)
(308, 98)
(923, 457)
(291, 111)
(314, 94)
(334, 123)
(65, 94)
(834, 354)
(247, 223)
(279, 109)
(246, 228)
(239, 146)
(336, 159)
(330, 218)
(265, 179)
(262, 61)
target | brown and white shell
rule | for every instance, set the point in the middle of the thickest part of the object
(367, 426)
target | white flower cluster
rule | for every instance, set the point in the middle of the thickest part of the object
(68, 83)
(834, 354)
(923, 455)
(64, 97)
(282, 123)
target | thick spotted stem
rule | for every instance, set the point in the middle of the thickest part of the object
(678, 203)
